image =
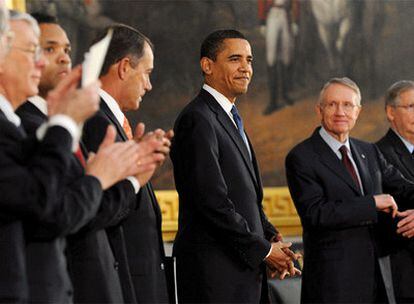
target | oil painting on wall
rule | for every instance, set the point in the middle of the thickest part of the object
(297, 46)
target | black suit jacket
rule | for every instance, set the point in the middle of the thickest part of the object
(341, 233)
(91, 262)
(138, 241)
(223, 234)
(402, 250)
(30, 179)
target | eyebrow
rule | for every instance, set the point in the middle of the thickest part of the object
(239, 56)
(52, 42)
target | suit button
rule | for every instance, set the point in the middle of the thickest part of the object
(116, 264)
(162, 266)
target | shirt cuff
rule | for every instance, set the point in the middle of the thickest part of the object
(135, 183)
(65, 122)
(267, 255)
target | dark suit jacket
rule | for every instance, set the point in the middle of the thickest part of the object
(138, 244)
(92, 265)
(30, 178)
(223, 234)
(402, 251)
(340, 236)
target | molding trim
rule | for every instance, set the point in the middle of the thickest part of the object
(19, 5)
(277, 204)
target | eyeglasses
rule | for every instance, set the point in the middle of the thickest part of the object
(35, 50)
(408, 108)
(347, 107)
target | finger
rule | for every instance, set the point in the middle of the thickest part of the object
(286, 245)
(169, 134)
(394, 210)
(405, 221)
(403, 213)
(91, 157)
(139, 131)
(284, 274)
(409, 234)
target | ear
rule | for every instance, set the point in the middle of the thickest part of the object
(318, 110)
(390, 113)
(206, 65)
(123, 68)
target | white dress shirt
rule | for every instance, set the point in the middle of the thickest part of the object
(120, 117)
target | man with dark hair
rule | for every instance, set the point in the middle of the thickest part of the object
(398, 147)
(224, 239)
(344, 191)
(90, 258)
(137, 242)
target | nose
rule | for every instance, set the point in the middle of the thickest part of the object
(148, 86)
(64, 58)
(339, 109)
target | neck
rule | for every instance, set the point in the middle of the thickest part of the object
(12, 97)
(407, 136)
(339, 137)
(232, 99)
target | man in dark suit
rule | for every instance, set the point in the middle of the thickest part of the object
(337, 185)
(224, 237)
(91, 262)
(31, 169)
(397, 146)
(138, 241)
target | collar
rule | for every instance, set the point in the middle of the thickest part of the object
(220, 98)
(113, 106)
(40, 103)
(333, 143)
(406, 143)
(7, 109)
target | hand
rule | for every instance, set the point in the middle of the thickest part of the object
(386, 203)
(406, 225)
(113, 161)
(276, 238)
(79, 104)
(277, 258)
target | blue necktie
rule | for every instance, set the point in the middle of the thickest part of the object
(239, 124)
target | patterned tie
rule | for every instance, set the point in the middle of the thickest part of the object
(79, 155)
(127, 128)
(348, 165)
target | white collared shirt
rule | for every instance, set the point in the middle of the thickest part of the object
(113, 106)
(227, 105)
(7, 109)
(120, 117)
(408, 145)
(335, 145)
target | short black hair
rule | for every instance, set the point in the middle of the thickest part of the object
(44, 18)
(213, 42)
(126, 41)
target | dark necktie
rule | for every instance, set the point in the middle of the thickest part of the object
(239, 122)
(348, 165)
(21, 130)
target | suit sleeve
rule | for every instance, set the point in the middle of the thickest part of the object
(29, 183)
(316, 210)
(196, 161)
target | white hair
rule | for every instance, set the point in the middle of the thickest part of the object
(18, 16)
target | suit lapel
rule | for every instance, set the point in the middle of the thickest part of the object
(231, 130)
(329, 159)
(401, 150)
(361, 162)
(112, 118)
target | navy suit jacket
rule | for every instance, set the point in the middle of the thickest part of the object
(223, 234)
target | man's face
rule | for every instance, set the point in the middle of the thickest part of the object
(21, 71)
(401, 117)
(231, 72)
(339, 110)
(56, 47)
(137, 81)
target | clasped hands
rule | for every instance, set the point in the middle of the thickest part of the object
(280, 261)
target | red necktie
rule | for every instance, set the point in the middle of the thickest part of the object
(127, 128)
(348, 165)
(79, 156)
